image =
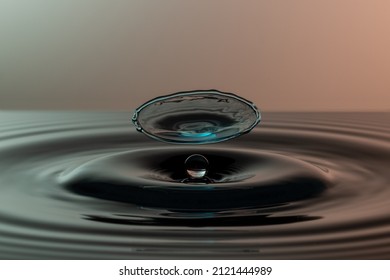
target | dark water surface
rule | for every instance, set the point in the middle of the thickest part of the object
(300, 186)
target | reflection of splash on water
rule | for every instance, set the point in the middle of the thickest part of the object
(86, 185)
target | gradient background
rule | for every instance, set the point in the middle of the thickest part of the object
(290, 55)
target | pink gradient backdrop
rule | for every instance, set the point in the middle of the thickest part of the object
(295, 55)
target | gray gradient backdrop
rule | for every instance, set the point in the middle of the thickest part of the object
(113, 55)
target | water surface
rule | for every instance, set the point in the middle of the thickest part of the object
(88, 186)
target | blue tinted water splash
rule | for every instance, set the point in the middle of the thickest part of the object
(196, 117)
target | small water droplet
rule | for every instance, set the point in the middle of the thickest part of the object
(196, 166)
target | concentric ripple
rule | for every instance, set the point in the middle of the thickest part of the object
(87, 185)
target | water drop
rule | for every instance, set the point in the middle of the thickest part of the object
(196, 166)
(196, 117)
